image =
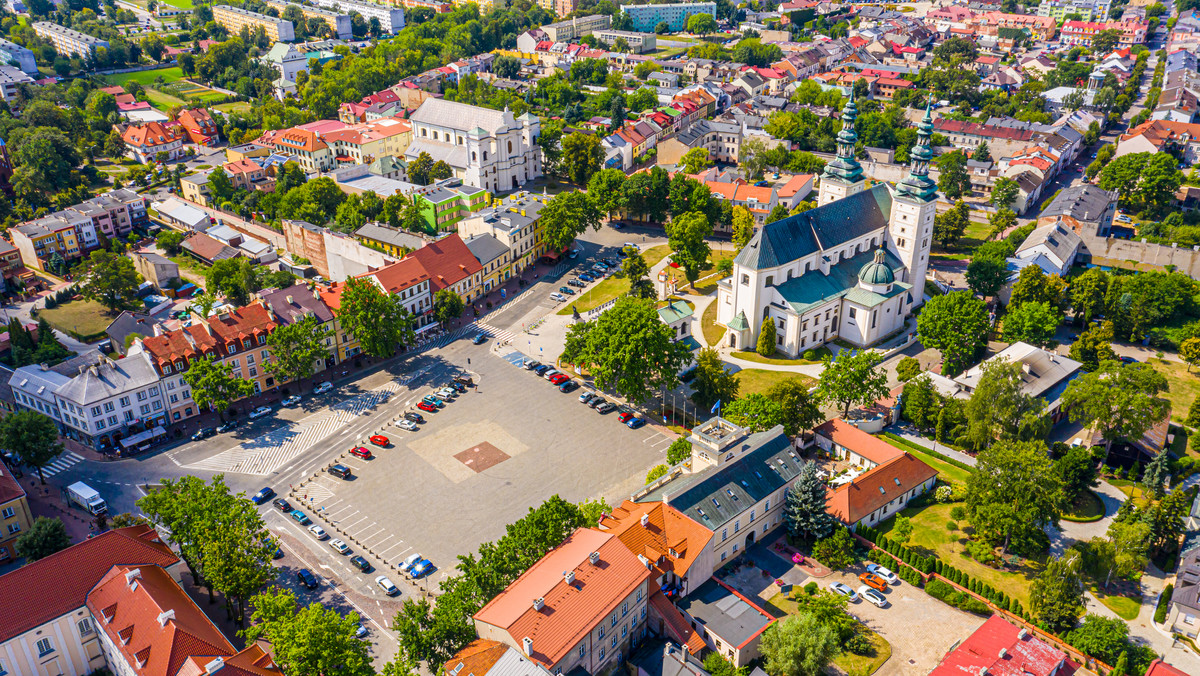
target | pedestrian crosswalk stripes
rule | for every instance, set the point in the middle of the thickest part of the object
(498, 334)
(264, 454)
(62, 463)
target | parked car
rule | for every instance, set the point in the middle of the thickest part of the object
(278, 554)
(557, 297)
(606, 407)
(480, 338)
(387, 586)
(228, 426)
(427, 407)
(457, 387)
(203, 433)
(300, 517)
(597, 401)
(380, 440)
(264, 494)
(541, 369)
(414, 417)
(1126, 359)
(635, 423)
(360, 452)
(340, 471)
(839, 588)
(569, 386)
(873, 581)
(421, 568)
(566, 290)
(587, 277)
(407, 425)
(587, 397)
(291, 401)
(361, 563)
(339, 546)
(260, 412)
(464, 380)
(886, 574)
(282, 505)
(624, 416)
(306, 578)
(550, 373)
(323, 387)
(318, 532)
(873, 597)
(360, 631)
(407, 564)
(531, 365)
(433, 401)
(447, 393)
(576, 283)
(559, 378)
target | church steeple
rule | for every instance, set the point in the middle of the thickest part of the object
(846, 167)
(917, 185)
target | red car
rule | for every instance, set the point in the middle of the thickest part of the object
(360, 452)
(380, 440)
(559, 379)
(625, 416)
(428, 408)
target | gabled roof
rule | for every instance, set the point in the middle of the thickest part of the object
(293, 304)
(448, 261)
(848, 436)
(569, 611)
(1023, 654)
(853, 502)
(60, 583)
(10, 488)
(826, 226)
(242, 323)
(669, 539)
(400, 275)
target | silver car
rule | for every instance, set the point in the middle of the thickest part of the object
(839, 588)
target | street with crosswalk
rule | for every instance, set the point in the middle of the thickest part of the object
(62, 463)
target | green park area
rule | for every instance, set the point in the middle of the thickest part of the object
(147, 78)
(758, 381)
(83, 319)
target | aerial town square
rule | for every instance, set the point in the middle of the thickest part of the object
(573, 337)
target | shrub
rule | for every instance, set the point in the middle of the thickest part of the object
(958, 512)
(811, 588)
(810, 355)
(951, 525)
(1164, 604)
(944, 493)
(981, 552)
(655, 473)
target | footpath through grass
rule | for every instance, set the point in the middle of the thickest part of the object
(948, 471)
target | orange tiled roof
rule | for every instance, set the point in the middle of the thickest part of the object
(854, 501)
(245, 322)
(1159, 132)
(670, 540)
(870, 447)
(447, 261)
(676, 624)
(477, 658)
(153, 134)
(187, 343)
(400, 275)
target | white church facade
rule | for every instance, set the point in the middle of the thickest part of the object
(851, 268)
(487, 149)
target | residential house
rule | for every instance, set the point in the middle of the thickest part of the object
(194, 188)
(241, 334)
(347, 345)
(15, 515)
(206, 249)
(309, 150)
(452, 266)
(583, 605)
(494, 257)
(395, 242)
(43, 242)
(339, 23)
(248, 175)
(646, 17)
(408, 280)
(730, 624)
(1044, 374)
(68, 42)
(999, 647)
(1082, 32)
(144, 142)
(677, 547)
(1181, 139)
(182, 215)
(298, 303)
(1088, 9)
(199, 126)
(363, 143)
(235, 18)
(128, 326)
(1053, 247)
(156, 269)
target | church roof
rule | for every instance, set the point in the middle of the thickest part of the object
(875, 272)
(815, 289)
(824, 227)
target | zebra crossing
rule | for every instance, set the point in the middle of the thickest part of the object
(493, 332)
(469, 331)
(266, 453)
(62, 463)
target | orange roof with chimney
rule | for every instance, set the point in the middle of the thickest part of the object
(448, 261)
(242, 166)
(253, 660)
(570, 608)
(853, 502)
(332, 296)
(153, 134)
(477, 658)
(668, 538)
(400, 275)
(1160, 132)
(187, 343)
(251, 321)
(300, 139)
(151, 620)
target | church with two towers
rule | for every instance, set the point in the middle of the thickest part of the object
(853, 267)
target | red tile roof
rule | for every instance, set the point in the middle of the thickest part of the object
(248, 322)
(676, 624)
(10, 488)
(400, 275)
(253, 660)
(58, 584)
(477, 658)
(447, 261)
(153, 134)
(570, 611)
(947, 126)
(670, 540)
(870, 447)
(207, 248)
(1160, 668)
(184, 344)
(1023, 654)
(152, 622)
(854, 501)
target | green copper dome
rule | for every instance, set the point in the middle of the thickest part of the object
(876, 273)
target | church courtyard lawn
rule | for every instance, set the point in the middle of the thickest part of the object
(779, 359)
(931, 537)
(713, 332)
(946, 471)
(758, 381)
(608, 289)
(975, 234)
(707, 283)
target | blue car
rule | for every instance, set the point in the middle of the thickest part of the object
(434, 401)
(306, 578)
(263, 495)
(423, 567)
(300, 517)
(635, 423)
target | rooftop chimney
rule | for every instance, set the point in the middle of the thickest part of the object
(569, 576)
(644, 560)
(166, 615)
(594, 558)
(527, 644)
(1023, 634)
(214, 666)
(539, 602)
(1003, 653)
(645, 520)
(131, 575)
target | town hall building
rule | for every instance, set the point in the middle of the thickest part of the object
(851, 268)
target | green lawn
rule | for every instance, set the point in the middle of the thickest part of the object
(655, 254)
(779, 359)
(1127, 608)
(849, 663)
(703, 286)
(1087, 508)
(240, 107)
(1182, 387)
(758, 381)
(163, 102)
(947, 471)
(931, 537)
(713, 332)
(147, 77)
(1132, 492)
(84, 318)
(181, 4)
(600, 294)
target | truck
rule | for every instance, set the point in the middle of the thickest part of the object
(86, 497)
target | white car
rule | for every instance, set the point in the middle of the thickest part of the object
(558, 297)
(339, 546)
(839, 588)
(873, 597)
(551, 373)
(447, 393)
(260, 412)
(360, 631)
(387, 586)
(407, 425)
(323, 387)
(408, 563)
(292, 400)
(318, 532)
(882, 572)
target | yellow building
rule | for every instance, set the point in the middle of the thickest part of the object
(338, 23)
(15, 517)
(347, 344)
(234, 18)
(516, 222)
(39, 240)
(195, 188)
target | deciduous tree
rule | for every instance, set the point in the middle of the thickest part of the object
(214, 385)
(949, 227)
(986, 276)
(713, 382)
(1004, 192)
(638, 274)
(1000, 409)
(1077, 469)
(1013, 494)
(1033, 323)
(32, 438)
(581, 157)
(799, 645)
(1033, 285)
(379, 321)
(1119, 400)
(1056, 596)
(45, 536)
(296, 349)
(852, 379)
(755, 412)
(799, 409)
(1094, 346)
(447, 306)
(310, 640)
(686, 236)
(110, 280)
(566, 216)
(605, 189)
(956, 324)
(1189, 352)
(953, 179)
(695, 161)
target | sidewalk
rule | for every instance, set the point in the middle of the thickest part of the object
(931, 445)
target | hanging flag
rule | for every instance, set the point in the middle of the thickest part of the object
(716, 407)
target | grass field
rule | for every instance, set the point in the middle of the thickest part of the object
(147, 77)
(655, 254)
(79, 317)
(181, 4)
(240, 107)
(1182, 387)
(713, 332)
(163, 102)
(703, 286)
(600, 294)
(948, 472)
(1087, 508)
(780, 360)
(758, 381)
(930, 536)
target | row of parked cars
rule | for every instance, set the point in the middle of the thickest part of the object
(876, 581)
(565, 383)
(599, 270)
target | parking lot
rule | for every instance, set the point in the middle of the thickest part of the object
(477, 465)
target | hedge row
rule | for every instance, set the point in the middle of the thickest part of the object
(901, 441)
(919, 563)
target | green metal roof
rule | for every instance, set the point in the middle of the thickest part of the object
(674, 312)
(876, 272)
(739, 322)
(814, 289)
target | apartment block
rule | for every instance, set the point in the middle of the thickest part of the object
(10, 79)
(44, 241)
(515, 222)
(638, 42)
(391, 19)
(234, 18)
(66, 41)
(337, 22)
(1090, 10)
(646, 17)
(573, 29)
(11, 51)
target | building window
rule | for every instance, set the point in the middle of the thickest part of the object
(9, 513)
(582, 650)
(723, 555)
(724, 534)
(601, 653)
(44, 647)
(14, 528)
(85, 626)
(624, 630)
(625, 609)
